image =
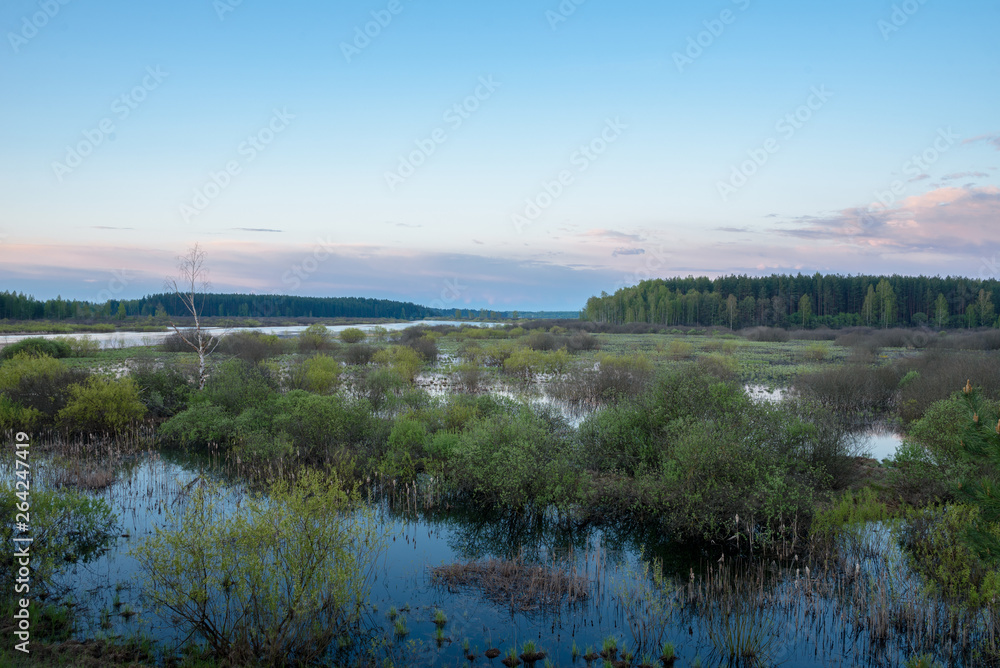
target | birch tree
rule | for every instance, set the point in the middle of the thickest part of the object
(190, 284)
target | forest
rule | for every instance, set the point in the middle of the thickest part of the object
(18, 306)
(802, 301)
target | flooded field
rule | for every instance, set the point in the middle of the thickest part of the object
(456, 581)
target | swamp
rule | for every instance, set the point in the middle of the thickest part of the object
(538, 493)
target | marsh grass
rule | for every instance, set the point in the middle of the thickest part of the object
(521, 585)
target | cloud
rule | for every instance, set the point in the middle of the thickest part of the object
(919, 177)
(965, 175)
(945, 221)
(991, 139)
(254, 229)
(611, 234)
(108, 227)
(408, 225)
(628, 251)
(734, 230)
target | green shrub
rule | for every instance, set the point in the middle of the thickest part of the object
(251, 346)
(515, 459)
(37, 347)
(316, 423)
(680, 349)
(236, 385)
(408, 435)
(443, 445)
(316, 338)
(201, 424)
(352, 335)
(949, 566)
(319, 374)
(297, 565)
(403, 360)
(15, 417)
(619, 438)
(38, 386)
(66, 527)
(163, 391)
(379, 386)
(83, 346)
(102, 405)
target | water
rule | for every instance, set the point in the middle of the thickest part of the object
(133, 339)
(880, 442)
(610, 557)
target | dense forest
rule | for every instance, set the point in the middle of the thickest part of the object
(802, 301)
(16, 306)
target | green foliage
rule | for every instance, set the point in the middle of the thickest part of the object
(981, 488)
(164, 391)
(380, 386)
(201, 424)
(949, 566)
(319, 374)
(854, 510)
(66, 527)
(315, 338)
(352, 335)
(15, 417)
(408, 435)
(236, 385)
(102, 405)
(296, 565)
(83, 346)
(403, 360)
(525, 363)
(251, 346)
(37, 347)
(515, 459)
(620, 438)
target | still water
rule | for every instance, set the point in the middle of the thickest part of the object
(133, 339)
(422, 535)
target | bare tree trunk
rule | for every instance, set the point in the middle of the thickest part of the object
(192, 277)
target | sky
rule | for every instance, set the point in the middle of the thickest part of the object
(503, 155)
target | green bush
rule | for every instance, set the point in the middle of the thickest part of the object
(297, 566)
(379, 386)
(164, 391)
(251, 346)
(66, 527)
(620, 438)
(201, 424)
(949, 566)
(319, 374)
(15, 417)
(352, 335)
(515, 459)
(315, 338)
(83, 346)
(37, 347)
(443, 445)
(36, 388)
(102, 405)
(237, 385)
(403, 360)
(408, 435)
(316, 423)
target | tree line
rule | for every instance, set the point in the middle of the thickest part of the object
(830, 300)
(18, 306)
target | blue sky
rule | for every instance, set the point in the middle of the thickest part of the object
(489, 154)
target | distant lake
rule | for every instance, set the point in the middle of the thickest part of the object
(133, 339)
